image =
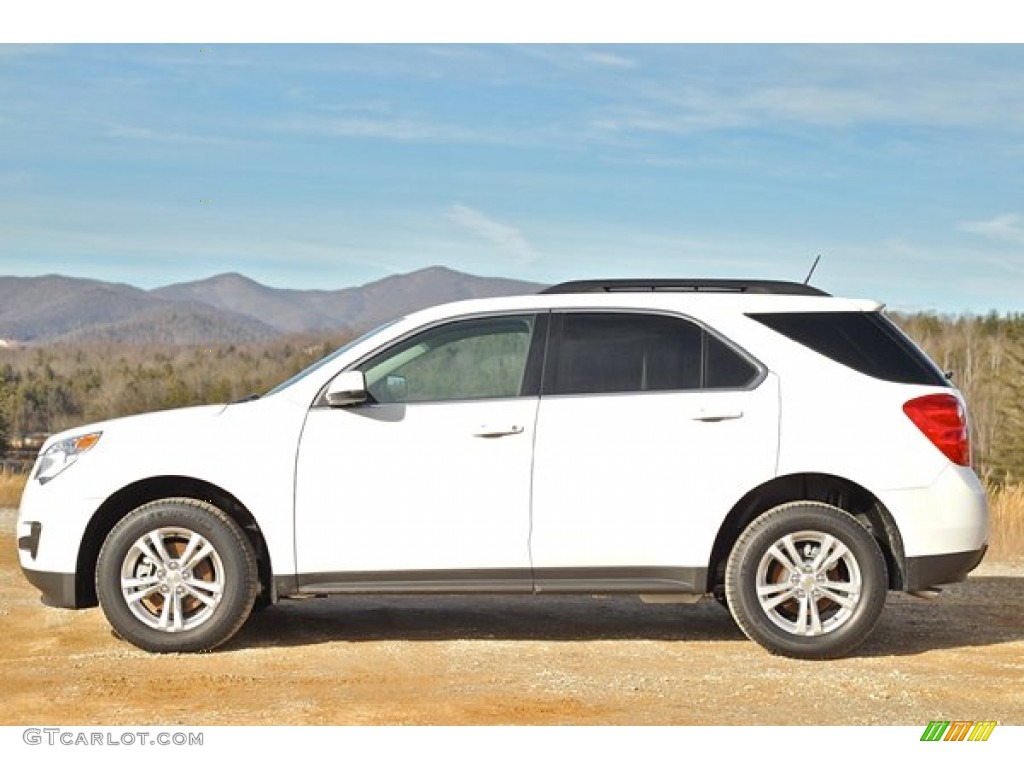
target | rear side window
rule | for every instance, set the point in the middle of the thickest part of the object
(607, 352)
(868, 342)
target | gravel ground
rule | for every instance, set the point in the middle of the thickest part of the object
(509, 660)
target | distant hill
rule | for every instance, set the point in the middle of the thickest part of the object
(35, 308)
(175, 323)
(220, 309)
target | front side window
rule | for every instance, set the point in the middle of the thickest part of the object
(609, 352)
(465, 360)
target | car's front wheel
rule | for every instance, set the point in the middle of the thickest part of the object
(806, 580)
(176, 575)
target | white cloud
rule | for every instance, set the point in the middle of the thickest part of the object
(606, 59)
(392, 128)
(506, 238)
(1007, 228)
(11, 51)
(696, 108)
(823, 86)
(142, 134)
(397, 129)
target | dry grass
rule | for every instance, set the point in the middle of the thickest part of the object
(11, 486)
(1006, 521)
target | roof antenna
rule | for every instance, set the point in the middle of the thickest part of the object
(814, 266)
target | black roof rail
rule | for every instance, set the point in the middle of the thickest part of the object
(686, 286)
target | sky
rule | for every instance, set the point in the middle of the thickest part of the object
(325, 166)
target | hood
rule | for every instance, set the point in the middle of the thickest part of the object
(176, 419)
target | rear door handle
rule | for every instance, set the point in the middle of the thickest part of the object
(717, 414)
(498, 430)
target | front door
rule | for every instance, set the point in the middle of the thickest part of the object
(427, 485)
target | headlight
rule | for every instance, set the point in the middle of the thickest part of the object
(62, 455)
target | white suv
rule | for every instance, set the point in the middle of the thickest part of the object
(790, 453)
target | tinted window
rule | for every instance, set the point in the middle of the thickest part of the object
(623, 352)
(466, 360)
(865, 341)
(724, 367)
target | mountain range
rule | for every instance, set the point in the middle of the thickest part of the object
(220, 309)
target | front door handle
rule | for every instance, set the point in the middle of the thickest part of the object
(498, 430)
(717, 414)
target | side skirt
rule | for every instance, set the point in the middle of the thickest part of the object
(499, 581)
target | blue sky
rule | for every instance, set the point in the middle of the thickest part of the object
(323, 166)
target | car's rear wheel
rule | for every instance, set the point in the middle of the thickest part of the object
(806, 580)
(176, 575)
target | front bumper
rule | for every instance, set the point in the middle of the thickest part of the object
(30, 542)
(51, 525)
(933, 570)
(58, 588)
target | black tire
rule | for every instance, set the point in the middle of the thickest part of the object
(718, 593)
(178, 606)
(818, 609)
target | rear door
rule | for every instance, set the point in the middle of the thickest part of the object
(650, 428)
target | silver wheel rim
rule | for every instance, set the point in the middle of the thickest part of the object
(172, 579)
(809, 583)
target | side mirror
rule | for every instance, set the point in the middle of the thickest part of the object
(348, 388)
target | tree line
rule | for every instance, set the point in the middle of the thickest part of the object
(44, 389)
(985, 357)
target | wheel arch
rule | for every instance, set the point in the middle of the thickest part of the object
(151, 489)
(829, 489)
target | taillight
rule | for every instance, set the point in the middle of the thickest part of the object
(943, 420)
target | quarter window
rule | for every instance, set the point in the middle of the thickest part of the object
(724, 367)
(867, 342)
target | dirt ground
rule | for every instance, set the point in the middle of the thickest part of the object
(515, 660)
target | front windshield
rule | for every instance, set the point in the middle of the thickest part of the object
(325, 360)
